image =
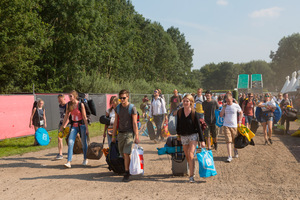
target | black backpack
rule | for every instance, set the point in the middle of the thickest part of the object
(113, 159)
(89, 105)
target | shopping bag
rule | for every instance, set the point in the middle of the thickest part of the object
(206, 163)
(219, 120)
(136, 166)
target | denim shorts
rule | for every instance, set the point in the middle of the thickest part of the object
(266, 119)
(185, 139)
(248, 119)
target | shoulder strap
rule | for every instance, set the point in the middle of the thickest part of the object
(130, 108)
(118, 109)
(193, 115)
(179, 112)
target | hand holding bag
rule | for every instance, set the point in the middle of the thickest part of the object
(136, 166)
(206, 163)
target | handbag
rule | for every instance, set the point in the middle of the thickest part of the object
(206, 163)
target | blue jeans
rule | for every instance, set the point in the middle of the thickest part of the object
(72, 137)
(248, 119)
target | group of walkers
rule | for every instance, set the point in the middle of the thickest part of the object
(190, 110)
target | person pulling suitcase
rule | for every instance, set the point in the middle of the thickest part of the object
(189, 130)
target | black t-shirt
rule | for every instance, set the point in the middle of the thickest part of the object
(186, 126)
(209, 111)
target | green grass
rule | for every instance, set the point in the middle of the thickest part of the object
(19, 146)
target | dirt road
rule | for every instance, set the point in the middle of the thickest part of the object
(260, 172)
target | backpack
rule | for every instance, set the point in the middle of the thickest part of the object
(113, 159)
(89, 105)
(130, 113)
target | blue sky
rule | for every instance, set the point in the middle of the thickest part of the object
(226, 30)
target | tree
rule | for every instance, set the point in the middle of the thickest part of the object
(23, 37)
(286, 59)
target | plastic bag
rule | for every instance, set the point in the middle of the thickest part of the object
(206, 163)
(244, 131)
(136, 166)
(219, 120)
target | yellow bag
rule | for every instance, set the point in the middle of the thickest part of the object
(296, 134)
(244, 131)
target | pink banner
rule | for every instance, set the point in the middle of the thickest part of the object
(15, 111)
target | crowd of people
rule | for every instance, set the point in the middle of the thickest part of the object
(189, 109)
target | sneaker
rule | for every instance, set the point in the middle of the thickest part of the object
(68, 165)
(270, 141)
(85, 162)
(126, 177)
(216, 146)
(191, 179)
(266, 142)
(59, 157)
(236, 153)
(229, 159)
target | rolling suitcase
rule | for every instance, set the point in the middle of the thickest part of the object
(179, 162)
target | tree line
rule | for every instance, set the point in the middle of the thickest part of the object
(103, 46)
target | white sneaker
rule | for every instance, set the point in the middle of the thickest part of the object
(229, 159)
(68, 165)
(236, 154)
(85, 162)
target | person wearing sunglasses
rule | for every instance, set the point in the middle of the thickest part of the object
(248, 109)
(268, 107)
(126, 123)
(159, 113)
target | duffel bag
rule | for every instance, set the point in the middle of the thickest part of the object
(104, 120)
(94, 151)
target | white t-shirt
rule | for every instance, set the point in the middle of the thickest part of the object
(230, 118)
(112, 116)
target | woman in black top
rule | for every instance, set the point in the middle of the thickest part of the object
(189, 130)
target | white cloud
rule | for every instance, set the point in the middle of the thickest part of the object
(222, 2)
(269, 13)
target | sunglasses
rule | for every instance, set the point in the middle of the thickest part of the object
(250, 96)
(155, 91)
(267, 96)
(70, 96)
(122, 98)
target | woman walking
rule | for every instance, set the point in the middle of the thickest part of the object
(38, 117)
(79, 124)
(108, 130)
(189, 130)
(268, 107)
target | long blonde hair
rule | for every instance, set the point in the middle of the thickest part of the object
(70, 103)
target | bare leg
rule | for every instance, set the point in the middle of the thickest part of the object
(126, 161)
(60, 145)
(229, 149)
(264, 124)
(270, 126)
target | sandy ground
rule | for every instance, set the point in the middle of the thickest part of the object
(260, 172)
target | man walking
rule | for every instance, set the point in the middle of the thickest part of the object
(229, 112)
(199, 99)
(159, 113)
(209, 107)
(126, 121)
(175, 101)
(283, 105)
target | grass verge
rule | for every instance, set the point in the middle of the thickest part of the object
(19, 146)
